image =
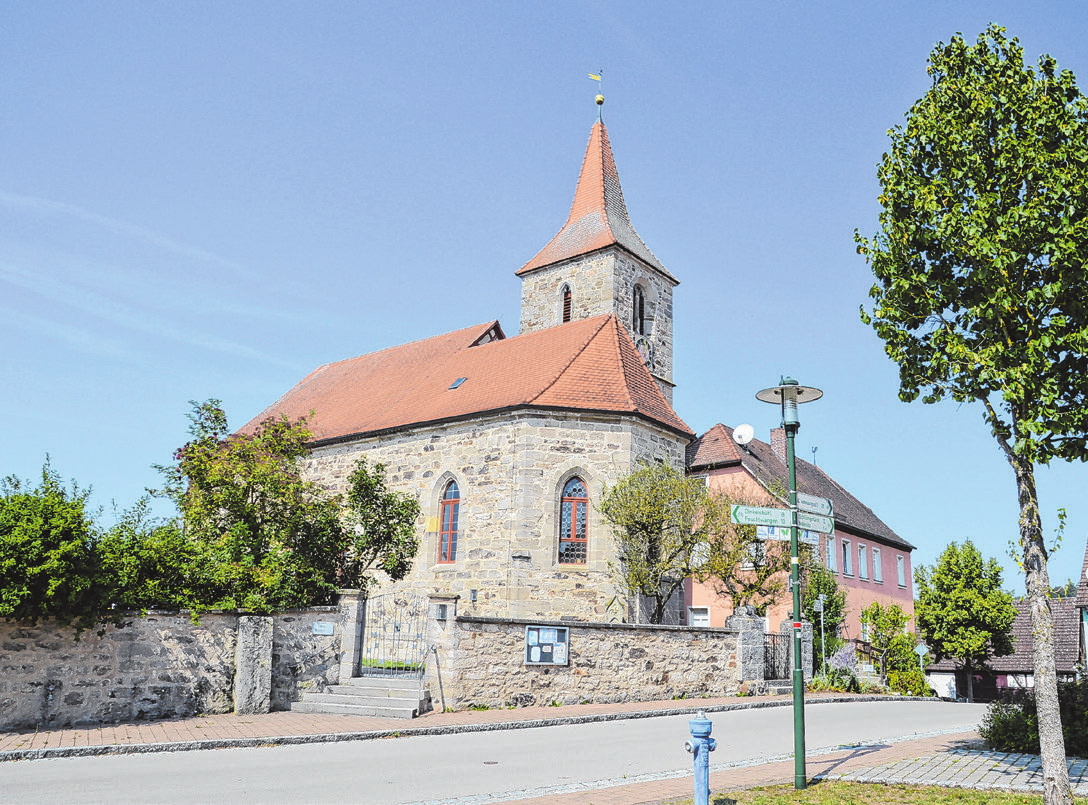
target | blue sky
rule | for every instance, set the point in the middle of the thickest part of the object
(210, 200)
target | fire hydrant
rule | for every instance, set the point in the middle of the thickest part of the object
(700, 746)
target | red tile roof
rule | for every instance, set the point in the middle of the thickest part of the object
(598, 217)
(585, 365)
(716, 448)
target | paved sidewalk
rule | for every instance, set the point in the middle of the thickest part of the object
(968, 768)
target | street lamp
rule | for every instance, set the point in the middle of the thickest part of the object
(789, 395)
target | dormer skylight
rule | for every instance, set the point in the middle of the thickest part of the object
(457, 383)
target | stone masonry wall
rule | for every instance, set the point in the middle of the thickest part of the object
(481, 662)
(158, 666)
(604, 282)
(510, 470)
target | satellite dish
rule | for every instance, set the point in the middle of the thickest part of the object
(742, 434)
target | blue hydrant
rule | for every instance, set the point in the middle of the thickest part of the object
(700, 746)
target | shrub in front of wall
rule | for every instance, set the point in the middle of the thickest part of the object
(1011, 724)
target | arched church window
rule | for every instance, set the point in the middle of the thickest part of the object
(451, 503)
(566, 304)
(638, 311)
(573, 512)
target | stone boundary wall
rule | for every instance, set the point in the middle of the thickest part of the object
(480, 661)
(152, 667)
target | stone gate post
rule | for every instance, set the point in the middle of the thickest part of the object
(352, 617)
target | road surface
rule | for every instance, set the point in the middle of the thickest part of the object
(469, 767)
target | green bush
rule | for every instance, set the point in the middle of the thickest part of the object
(1012, 723)
(911, 682)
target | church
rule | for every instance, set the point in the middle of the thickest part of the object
(508, 442)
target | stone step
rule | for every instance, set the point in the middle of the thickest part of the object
(385, 698)
(354, 710)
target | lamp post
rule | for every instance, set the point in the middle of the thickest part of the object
(789, 395)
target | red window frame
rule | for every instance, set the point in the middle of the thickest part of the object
(447, 519)
(574, 523)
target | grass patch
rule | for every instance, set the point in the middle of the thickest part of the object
(842, 793)
(389, 665)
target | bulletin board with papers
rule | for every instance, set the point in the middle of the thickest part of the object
(547, 645)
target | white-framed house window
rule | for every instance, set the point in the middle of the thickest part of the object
(878, 571)
(847, 559)
(901, 570)
(863, 562)
(831, 563)
(698, 616)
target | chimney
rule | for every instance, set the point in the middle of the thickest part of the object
(778, 443)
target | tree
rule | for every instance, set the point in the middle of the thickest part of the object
(962, 610)
(146, 563)
(817, 581)
(658, 521)
(380, 528)
(263, 538)
(982, 293)
(48, 564)
(740, 564)
(886, 626)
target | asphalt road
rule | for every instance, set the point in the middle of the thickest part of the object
(469, 767)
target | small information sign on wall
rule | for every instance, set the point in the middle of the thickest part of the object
(546, 645)
(322, 628)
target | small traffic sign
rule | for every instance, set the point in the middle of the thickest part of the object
(815, 522)
(815, 505)
(758, 515)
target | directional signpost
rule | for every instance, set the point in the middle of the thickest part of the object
(758, 515)
(815, 505)
(815, 522)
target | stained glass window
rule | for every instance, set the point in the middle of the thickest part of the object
(573, 512)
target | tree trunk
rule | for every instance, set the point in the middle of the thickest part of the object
(1056, 788)
(969, 672)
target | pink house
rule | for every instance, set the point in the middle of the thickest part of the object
(870, 561)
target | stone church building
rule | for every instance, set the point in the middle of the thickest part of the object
(508, 442)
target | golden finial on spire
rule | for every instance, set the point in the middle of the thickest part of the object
(600, 98)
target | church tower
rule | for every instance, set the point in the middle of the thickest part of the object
(598, 264)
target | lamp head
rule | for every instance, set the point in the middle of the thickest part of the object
(789, 394)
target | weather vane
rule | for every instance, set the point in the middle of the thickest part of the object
(600, 98)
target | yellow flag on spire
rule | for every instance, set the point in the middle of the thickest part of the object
(595, 77)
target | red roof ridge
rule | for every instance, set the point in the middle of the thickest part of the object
(574, 356)
(598, 215)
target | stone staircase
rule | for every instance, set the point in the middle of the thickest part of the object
(381, 696)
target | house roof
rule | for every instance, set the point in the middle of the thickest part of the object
(716, 448)
(1082, 584)
(586, 365)
(598, 216)
(1066, 641)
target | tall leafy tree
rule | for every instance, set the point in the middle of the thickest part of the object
(982, 292)
(962, 610)
(657, 515)
(817, 581)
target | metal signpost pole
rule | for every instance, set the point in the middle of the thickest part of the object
(788, 393)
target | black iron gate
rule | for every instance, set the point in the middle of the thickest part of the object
(776, 656)
(394, 636)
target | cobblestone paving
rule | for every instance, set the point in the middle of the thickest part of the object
(963, 768)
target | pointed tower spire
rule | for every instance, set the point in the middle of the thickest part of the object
(598, 217)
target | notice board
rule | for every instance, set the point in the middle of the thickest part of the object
(547, 645)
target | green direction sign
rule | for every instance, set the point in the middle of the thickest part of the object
(814, 505)
(815, 522)
(757, 515)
